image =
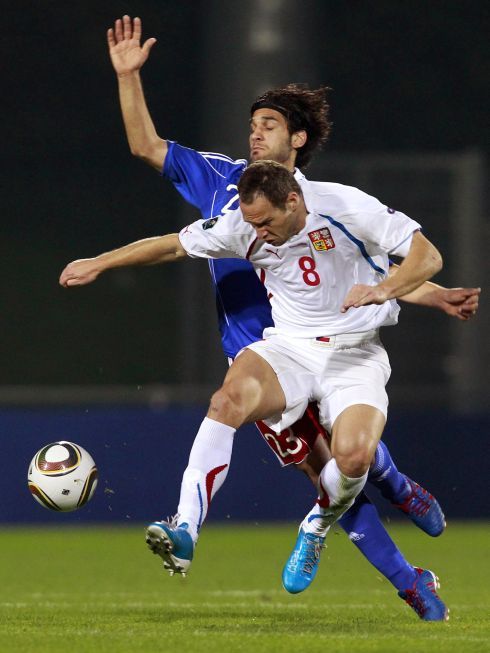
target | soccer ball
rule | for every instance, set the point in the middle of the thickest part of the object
(62, 476)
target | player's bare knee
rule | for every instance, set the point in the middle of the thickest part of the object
(227, 406)
(353, 464)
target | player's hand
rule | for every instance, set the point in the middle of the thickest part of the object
(458, 302)
(80, 272)
(362, 295)
(127, 55)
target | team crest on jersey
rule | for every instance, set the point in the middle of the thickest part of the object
(322, 239)
(209, 224)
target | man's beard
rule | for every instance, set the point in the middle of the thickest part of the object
(279, 155)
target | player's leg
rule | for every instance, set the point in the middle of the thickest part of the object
(365, 530)
(250, 390)
(361, 521)
(355, 434)
(416, 586)
(405, 494)
(304, 445)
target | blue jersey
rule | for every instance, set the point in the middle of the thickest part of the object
(209, 182)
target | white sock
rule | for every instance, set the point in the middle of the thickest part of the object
(206, 471)
(337, 494)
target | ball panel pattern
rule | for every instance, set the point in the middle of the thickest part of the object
(58, 467)
(89, 487)
(42, 497)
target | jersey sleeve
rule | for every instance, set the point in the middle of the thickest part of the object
(225, 236)
(197, 175)
(381, 228)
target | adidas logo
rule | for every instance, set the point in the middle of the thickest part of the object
(383, 475)
(355, 537)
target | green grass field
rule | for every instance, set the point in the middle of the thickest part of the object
(99, 589)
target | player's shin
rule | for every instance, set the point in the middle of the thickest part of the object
(384, 474)
(406, 494)
(206, 471)
(337, 494)
(363, 525)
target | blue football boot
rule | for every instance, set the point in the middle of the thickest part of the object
(302, 565)
(423, 597)
(423, 509)
(173, 544)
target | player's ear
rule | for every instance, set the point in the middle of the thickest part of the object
(298, 139)
(292, 200)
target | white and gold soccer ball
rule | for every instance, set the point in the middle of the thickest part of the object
(62, 476)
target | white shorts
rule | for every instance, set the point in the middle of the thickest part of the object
(337, 372)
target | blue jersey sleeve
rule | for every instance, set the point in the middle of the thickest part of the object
(198, 176)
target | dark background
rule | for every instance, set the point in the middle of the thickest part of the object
(407, 77)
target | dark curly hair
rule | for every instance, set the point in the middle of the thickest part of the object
(303, 108)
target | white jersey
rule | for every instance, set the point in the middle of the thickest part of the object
(346, 240)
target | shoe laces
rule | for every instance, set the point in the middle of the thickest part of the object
(312, 551)
(418, 501)
(172, 521)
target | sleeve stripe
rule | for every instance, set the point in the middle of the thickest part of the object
(356, 241)
(213, 168)
(222, 157)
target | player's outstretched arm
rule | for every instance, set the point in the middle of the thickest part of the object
(461, 303)
(422, 262)
(457, 302)
(149, 251)
(128, 56)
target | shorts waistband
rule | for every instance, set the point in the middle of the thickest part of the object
(346, 339)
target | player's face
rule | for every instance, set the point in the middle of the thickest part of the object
(273, 225)
(270, 139)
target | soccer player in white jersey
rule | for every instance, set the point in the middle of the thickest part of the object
(330, 292)
(189, 171)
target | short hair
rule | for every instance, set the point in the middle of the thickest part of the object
(304, 109)
(269, 179)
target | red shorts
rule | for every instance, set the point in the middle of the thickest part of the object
(294, 443)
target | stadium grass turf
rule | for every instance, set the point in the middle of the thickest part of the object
(97, 589)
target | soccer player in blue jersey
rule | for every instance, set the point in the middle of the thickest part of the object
(287, 127)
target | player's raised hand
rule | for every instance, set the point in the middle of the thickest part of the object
(80, 272)
(459, 302)
(127, 54)
(362, 295)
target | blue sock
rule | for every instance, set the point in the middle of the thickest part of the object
(364, 528)
(386, 477)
